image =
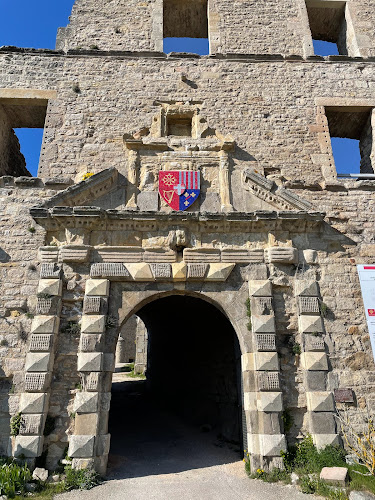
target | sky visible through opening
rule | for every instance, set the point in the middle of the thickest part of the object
(26, 23)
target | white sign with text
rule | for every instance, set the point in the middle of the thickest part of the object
(366, 274)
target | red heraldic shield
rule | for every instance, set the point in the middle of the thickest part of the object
(179, 188)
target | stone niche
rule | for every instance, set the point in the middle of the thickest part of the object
(179, 139)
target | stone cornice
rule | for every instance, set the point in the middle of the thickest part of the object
(253, 58)
(112, 220)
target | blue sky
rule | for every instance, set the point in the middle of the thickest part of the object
(34, 23)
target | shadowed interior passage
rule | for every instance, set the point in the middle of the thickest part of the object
(189, 405)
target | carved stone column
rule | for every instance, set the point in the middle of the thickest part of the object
(314, 360)
(224, 182)
(133, 158)
(34, 402)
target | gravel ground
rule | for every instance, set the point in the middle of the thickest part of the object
(156, 456)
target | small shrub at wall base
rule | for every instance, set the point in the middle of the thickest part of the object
(15, 424)
(72, 328)
(80, 479)
(13, 478)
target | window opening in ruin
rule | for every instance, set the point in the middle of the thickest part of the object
(21, 131)
(351, 139)
(330, 22)
(186, 411)
(322, 48)
(346, 154)
(191, 45)
(30, 140)
(179, 126)
(185, 26)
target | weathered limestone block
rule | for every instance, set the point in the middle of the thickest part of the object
(29, 446)
(314, 343)
(250, 401)
(159, 255)
(148, 201)
(320, 401)
(270, 401)
(40, 343)
(308, 305)
(161, 271)
(266, 361)
(48, 254)
(74, 253)
(197, 271)
(306, 288)
(314, 361)
(90, 362)
(242, 255)
(45, 324)
(97, 287)
(268, 381)
(260, 288)
(272, 444)
(81, 446)
(263, 324)
(86, 424)
(90, 342)
(49, 271)
(33, 403)
(50, 287)
(321, 423)
(37, 382)
(93, 324)
(281, 255)
(219, 272)
(91, 381)
(103, 443)
(95, 305)
(261, 361)
(109, 270)
(105, 401)
(310, 324)
(86, 402)
(322, 440)
(120, 254)
(179, 271)
(310, 256)
(192, 255)
(45, 306)
(38, 362)
(334, 475)
(32, 424)
(140, 272)
(261, 306)
(109, 361)
(265, 341)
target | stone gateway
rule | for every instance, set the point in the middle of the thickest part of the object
(203, 188)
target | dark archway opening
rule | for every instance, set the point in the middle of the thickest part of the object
(187, 413)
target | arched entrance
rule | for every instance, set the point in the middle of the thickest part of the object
(187, 412)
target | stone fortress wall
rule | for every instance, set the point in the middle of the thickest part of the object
(264, 112)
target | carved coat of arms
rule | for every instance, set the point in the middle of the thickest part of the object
(179, 188)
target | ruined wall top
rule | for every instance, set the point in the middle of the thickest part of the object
(251, 27)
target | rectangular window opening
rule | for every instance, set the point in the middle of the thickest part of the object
(322, 48)
(21, 130)
(185, 26)
(30, 140)
(191, 45)
(179, 126)
(328, 27)
(351, 139)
